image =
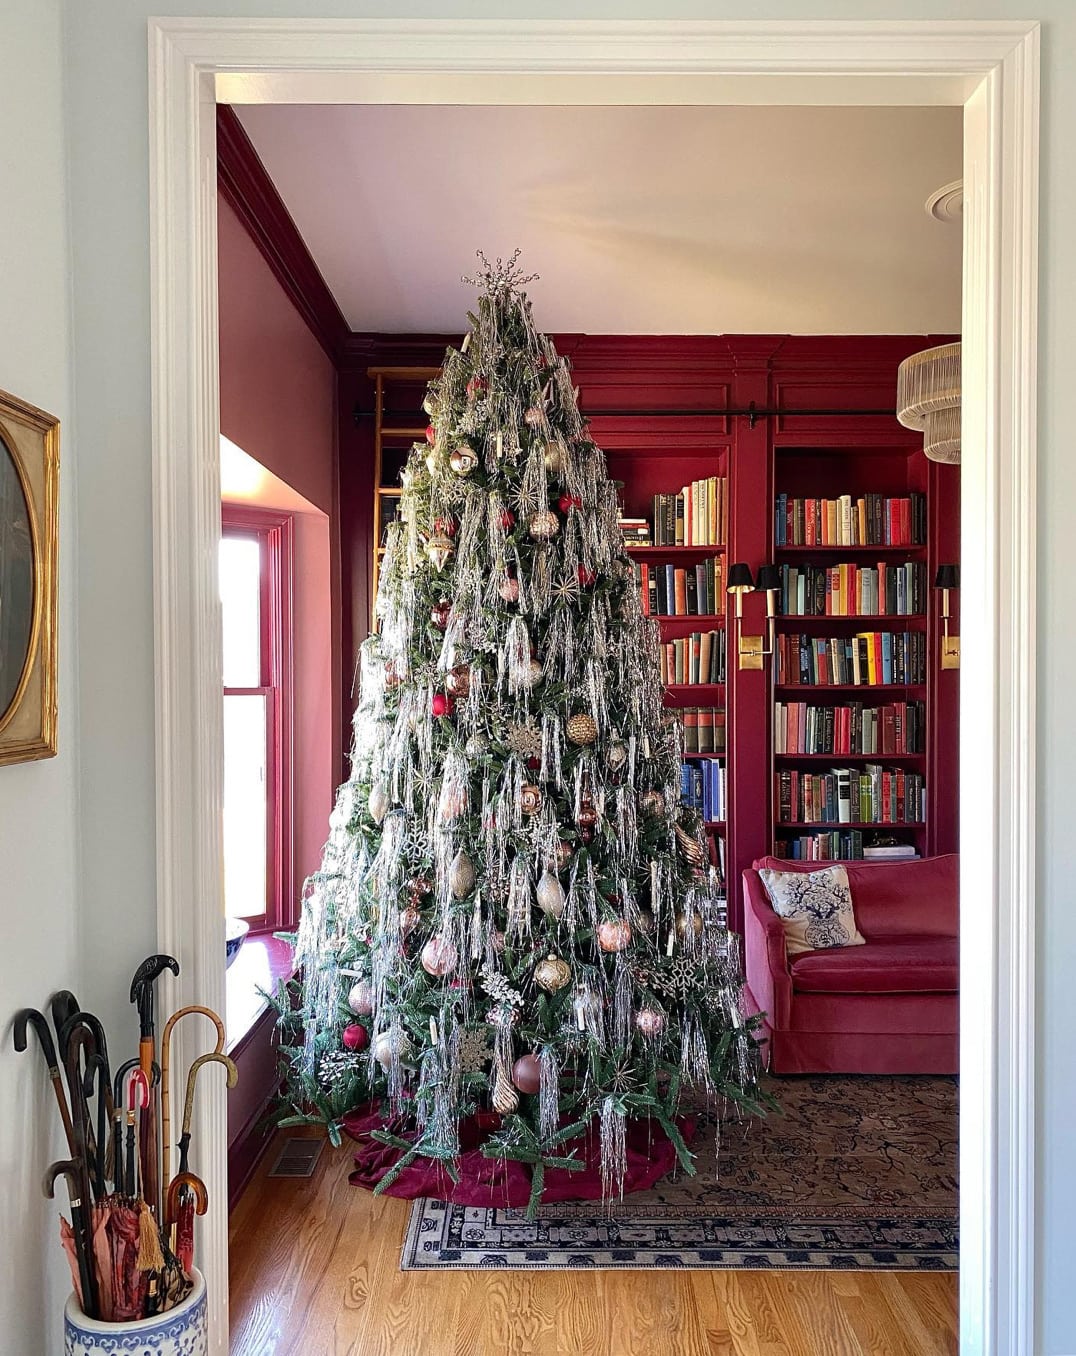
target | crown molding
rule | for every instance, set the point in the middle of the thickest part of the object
(247, 188)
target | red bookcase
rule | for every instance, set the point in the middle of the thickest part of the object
(664, 410)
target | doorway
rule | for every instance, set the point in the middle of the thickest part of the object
(992, 70)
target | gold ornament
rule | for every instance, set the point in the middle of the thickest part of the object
(505, 1097)
(535, 673)
(550, 893)
(533, 416)
(461, 875)
(543, 525)
(565, 852)
(463, 459)
(508, 588)
(688, 920)
(458, 680)
(691, 849)
(582, 728)
(653, 803)
(554, 458)
(409, 920)
(525, 739)
(552, 974)
(389, 1043)
(440, 550)
(530, 799)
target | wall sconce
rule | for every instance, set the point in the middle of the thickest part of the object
(948, 577)
(748, 648)
(769, 583)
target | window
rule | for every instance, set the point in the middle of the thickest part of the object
(255, 593)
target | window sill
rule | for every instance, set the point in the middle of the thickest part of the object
(263, 961)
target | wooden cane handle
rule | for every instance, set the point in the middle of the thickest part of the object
(175, 1186)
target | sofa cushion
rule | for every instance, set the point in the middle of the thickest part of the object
(815, 908)
(918, 898)
(910, 965)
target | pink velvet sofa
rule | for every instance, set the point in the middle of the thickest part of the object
(888, 1007)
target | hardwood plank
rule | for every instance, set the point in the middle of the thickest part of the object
(315, 1271)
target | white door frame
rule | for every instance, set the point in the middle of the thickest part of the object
(990, 67)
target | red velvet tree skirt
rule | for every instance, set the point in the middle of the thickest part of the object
(504, 1182)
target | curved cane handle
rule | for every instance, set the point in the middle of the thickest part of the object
(175, 1186)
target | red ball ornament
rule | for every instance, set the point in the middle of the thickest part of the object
(439, 614)
(508, 519)
(431, 434)
(586, 577)
(477, 386)
(534, 764)
(568, 502)
(355, 1037)
(445, 525)
(442, 704)
(527, 1074)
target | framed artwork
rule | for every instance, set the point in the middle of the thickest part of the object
(29, 482)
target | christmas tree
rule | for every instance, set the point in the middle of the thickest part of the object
(513, 911)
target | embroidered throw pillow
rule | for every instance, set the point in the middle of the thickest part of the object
(815, 908)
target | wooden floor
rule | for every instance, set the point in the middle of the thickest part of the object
(315, 1272)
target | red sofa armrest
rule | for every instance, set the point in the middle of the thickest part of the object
(766, 960)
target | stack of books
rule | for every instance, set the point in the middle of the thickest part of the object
(696, 516)
(704, 729)
(850, 590)
(703, 788)
(681, 591)
(873, 795)
(635, 531)
(869, 520)
(697, 658)
(894, 729)
(869, 659)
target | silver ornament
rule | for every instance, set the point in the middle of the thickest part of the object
(551, 897)
(463, 459)
(378, 802)
(390, 1043)
(361, 998)
(440, 550)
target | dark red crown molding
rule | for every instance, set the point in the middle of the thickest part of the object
(246, 186)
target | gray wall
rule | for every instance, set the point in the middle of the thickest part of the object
(38, 818)
(105, 54)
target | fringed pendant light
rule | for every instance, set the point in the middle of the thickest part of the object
(928, 399)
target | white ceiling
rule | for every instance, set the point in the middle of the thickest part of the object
(641, 220)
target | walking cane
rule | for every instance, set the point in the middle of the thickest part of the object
(166, 1080)
(142, 984)
(80, 1225)
(31, 1017)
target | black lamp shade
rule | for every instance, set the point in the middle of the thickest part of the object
(740, 580)
(948, 577)
(769, 579)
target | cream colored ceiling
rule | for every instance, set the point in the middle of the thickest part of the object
(652, 220)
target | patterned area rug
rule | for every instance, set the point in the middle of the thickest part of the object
(856, 1174)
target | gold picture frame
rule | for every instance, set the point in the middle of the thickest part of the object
(29, 486)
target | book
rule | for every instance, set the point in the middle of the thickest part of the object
(862, 520)
(695, 515)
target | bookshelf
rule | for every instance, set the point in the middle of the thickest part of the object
(398, 422)
(656, 407)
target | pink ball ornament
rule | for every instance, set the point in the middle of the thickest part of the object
(355, 1037)
(649, 1022)
(527, 1074)
(439, 957)
(614, 935)
(509, 589)
(431, 434)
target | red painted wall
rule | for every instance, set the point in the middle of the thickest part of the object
(278, 403)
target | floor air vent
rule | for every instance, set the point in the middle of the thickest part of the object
(297, 1158)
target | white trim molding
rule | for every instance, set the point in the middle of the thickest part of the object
(989, 67)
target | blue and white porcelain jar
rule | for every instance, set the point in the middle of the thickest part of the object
(182, 1331)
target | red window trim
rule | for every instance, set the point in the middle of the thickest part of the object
(274, 531)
